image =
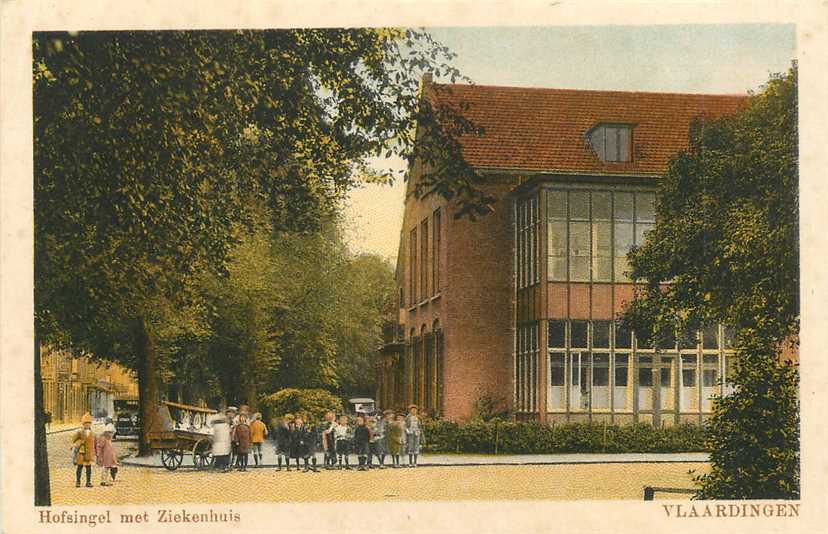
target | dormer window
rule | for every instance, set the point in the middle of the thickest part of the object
(612, 142)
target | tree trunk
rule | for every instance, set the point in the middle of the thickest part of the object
(147, 382)
(41, 460)
(251, 395)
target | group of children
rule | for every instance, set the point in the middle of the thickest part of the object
(88, 448)
(235, 435)
(368, 438)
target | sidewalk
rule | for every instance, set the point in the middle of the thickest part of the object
(446, 460)
(56, 428)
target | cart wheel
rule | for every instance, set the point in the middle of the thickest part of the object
(171, 458)
(202, 455)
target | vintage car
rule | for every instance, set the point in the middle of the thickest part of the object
(127, 418)
(362, 406)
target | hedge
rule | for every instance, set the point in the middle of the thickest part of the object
(510, 437)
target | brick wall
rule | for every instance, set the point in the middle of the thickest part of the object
(479, 307)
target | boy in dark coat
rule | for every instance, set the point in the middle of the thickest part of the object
(282, 438)
(362, 440)
(302, 444)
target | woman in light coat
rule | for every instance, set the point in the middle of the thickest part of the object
(222, 442)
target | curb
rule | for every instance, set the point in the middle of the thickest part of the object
(185, 467)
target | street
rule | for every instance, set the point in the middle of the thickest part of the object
(137, 485)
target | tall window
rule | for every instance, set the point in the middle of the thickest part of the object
(579, 236)
(556, 214)
(412, 267)
(435, 254)
(423, 260)
(589, 233)
(612, 143)
(526, 365)
(556, 389)
(526, 250)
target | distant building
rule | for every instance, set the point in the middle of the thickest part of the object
(520, 305)
(74, 386)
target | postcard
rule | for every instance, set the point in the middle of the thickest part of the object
(412, 267)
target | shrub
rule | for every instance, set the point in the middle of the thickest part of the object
(488, 408)
(312, 403)
(514, 437)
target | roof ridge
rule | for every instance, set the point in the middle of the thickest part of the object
(573, 90)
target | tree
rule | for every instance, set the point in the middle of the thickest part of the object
(726, 240)
(293, 311)
(150, 148)
(367, 292)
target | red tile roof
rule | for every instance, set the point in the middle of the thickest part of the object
(544, 130)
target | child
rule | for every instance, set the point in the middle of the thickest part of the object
(384, 422)
(110, 427)
(282, 438)
(105, 456)
(258, 431)
(233, 419)
(342, 439)
(328, 443)
(301, 444)
(413, 435)
(362, 440)
(377, 445)
(83, 448)
(221, 440)
(396, 439)
(241, 439)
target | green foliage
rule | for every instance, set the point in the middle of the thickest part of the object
(277, 319)
(512, 437)
(754, 431)
(312, 403)
(487, 407)
(152, 149)
(726, 238)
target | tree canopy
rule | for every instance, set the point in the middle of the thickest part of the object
(725, 249)
(154, 150)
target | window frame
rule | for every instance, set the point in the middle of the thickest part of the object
(605, 130)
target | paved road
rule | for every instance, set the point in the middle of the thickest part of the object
(60, 444)
(142, 485)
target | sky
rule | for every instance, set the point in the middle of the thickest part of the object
(670, 58)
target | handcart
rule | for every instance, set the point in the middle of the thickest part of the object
(180, 429)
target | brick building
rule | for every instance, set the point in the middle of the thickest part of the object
(520, 304)
(74, 386)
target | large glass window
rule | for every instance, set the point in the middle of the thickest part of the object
(589, 233)
(594, 365)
